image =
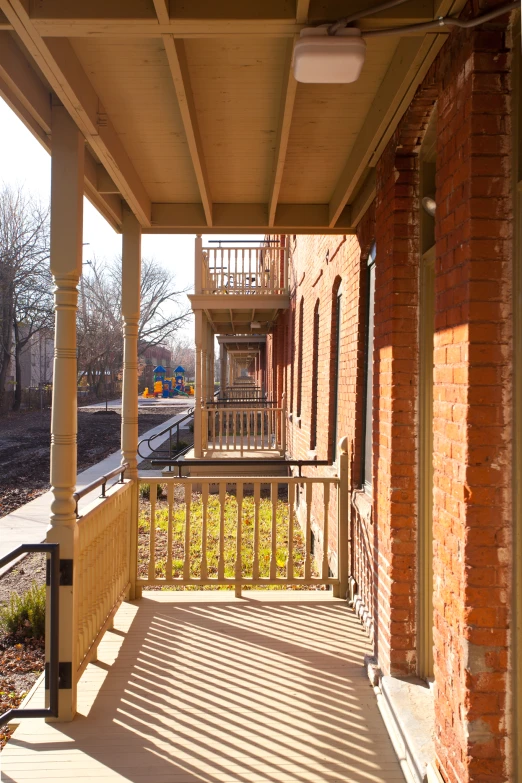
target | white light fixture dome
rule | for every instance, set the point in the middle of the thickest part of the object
(255, 325)
(320, 58)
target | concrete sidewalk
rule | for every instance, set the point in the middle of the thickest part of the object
(29, 523)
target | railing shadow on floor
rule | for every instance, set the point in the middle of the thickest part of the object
(221, 690)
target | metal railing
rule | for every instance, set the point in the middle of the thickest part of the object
(100, 482)
(181, 463)
(251, 402)
(176, 425)
(53, 580)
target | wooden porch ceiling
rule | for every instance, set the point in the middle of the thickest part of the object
(191, 112)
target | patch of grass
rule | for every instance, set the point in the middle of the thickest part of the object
(213, 538)
(25, 614)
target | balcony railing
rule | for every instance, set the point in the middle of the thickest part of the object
(244, 392)
(241, 532)
(101, 568)
(245, 429)
(244, 270)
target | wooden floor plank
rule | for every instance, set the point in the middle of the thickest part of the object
(201, 686)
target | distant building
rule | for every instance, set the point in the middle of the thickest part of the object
(149, 358)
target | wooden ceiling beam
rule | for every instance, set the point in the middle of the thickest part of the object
(365, 196)
(162, 9)
(177, 59)
(63, 71)
(206, 18)
(246, 218)
(285, 123)
(17, 74)
(30, 100)
(408, 67)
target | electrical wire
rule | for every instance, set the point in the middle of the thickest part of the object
(361, 14)
(444, 21)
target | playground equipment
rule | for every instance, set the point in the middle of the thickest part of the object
(168, 387)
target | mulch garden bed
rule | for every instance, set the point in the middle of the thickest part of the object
(25, 448)
(21, 662)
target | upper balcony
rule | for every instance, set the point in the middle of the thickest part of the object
(241, 287)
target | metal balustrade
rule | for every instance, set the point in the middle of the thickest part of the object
(52, 641)
(244, 270)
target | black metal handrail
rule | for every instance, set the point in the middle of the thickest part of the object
(54, 639)
(299, 463)
(100, 482)
(247, 402)
(148, 441)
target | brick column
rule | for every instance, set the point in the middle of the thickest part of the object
(472, 410)
(395, 381)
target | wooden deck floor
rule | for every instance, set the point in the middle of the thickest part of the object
(194, 687)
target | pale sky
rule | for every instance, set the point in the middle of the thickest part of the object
(25, 162)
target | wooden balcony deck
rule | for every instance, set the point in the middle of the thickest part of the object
(194, 687)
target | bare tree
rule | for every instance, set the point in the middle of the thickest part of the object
(183, 353)
(100, 347)
(25, 281)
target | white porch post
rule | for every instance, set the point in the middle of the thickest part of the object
(66, 264)
(198, 391)
(130, 310)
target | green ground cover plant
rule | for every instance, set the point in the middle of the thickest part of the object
(25, 614)
(213, 538)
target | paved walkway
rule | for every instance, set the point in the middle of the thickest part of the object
(144, 402)
(28, 524)
(194, 687)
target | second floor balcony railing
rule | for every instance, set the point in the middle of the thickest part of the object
(244, 270)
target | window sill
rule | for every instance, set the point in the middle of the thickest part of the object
(363, 503)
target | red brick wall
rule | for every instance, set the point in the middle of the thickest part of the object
(319, 267)
(472, 408)
(472, 393)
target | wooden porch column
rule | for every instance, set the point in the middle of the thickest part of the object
(210, 350)
(66, 264)
(198, 265)
(222, 367)
(198, 391)
(130, 310)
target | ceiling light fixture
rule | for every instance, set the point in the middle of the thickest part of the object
(334, 54)
(320, 58)
(255, 325)
(429, 205)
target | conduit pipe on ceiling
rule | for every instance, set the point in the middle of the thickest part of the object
(443, 21)
(354, 17)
